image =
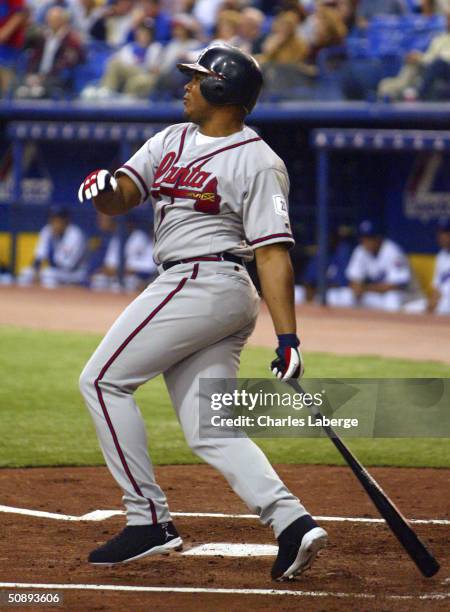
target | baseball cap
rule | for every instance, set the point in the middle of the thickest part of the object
(444, 224)
(58, 211)
(369, 228)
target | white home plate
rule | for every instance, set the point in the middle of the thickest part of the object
(225, 549)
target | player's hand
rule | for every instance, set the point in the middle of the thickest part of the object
(99, 181)
(289, 363)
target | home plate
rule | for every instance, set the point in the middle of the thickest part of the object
(225, 549)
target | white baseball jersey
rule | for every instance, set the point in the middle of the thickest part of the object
(211, 195)
(66, 253)
(441, 278)
(389, 265)
(138, 253)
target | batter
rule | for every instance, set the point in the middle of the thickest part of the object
(220, 197)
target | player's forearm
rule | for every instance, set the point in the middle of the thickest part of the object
(111, 203)
(276, 277)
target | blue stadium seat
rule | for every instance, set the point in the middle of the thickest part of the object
(98, 54)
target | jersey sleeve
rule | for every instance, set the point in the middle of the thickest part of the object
(43, 245)
(356, 269)
(398, 272)
(265, 209)
(141, 167)
(71, 250)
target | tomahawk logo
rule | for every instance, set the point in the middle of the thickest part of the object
(427, 192)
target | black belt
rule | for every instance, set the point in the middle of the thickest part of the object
(215, 257)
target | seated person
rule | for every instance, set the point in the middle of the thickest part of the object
(133, 70)
(54, 51)
(421, 73)
(62, 245)
(439, 301)
(378, 273)
(139, 267)
(340, 250)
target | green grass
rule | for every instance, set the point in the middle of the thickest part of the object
(43, 420)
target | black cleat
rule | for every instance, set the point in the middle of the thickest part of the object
(298, 546)
(136, 542)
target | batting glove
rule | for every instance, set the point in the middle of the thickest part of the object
(99, 181)
(289, 363)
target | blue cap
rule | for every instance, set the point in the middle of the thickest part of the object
(444, 224)
(369, 228)
(58, 211)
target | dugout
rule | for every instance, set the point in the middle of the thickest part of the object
(60, 142)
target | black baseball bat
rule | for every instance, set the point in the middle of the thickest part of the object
(398, 524)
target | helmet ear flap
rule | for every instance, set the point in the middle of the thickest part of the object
(213, 89)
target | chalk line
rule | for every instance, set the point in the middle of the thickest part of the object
(101, 515)
(223, 591)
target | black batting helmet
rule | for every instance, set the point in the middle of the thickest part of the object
(234, 77)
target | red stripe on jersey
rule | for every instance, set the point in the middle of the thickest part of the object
(181, 147)
(102, 402)
(269, 237)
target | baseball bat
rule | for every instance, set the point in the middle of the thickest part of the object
(398, 524)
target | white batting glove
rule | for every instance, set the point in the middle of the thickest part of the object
(99, 181)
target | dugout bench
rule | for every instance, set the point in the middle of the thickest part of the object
(329, 140)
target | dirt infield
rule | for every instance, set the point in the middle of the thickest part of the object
(340, 331)
(363, 562)
(364, 568)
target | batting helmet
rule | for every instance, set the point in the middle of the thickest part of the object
(233, 77)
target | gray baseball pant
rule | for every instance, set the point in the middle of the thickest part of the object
(190, 323)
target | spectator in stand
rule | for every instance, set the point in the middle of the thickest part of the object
(435, 7)
(227, 28)
(119, 22)
(133, 70)
(251, 36)
(325, 27)
(150, 10)
(368, 9)
(62, 245)
(435, 82)
(284, 45)
(54, 52)
(205, 12)
(421, 72)
(347, 10)
(284, 57)
(88, 18)
(139, 267)
(186, 38)
(439, 301)
(378, 272)
(13, 19)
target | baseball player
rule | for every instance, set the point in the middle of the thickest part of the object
(378, 272)
(220, 197)
(440, 297)
(139, 266)
(62, 245)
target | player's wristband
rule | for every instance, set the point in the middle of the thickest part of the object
(285, 340)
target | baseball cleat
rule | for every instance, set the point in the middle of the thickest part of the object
(298, 545)
(137, 542)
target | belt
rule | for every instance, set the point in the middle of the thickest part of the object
(215, 257)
